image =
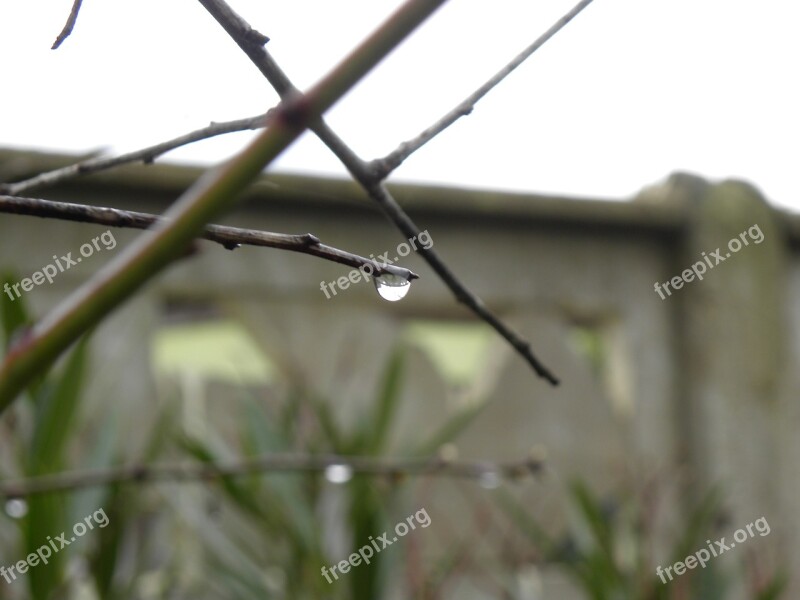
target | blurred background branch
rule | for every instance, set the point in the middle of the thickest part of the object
(392, 468)
(146, 155)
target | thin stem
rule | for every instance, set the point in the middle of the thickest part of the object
(381, 195)
(384, 166)
(271, 463)
(215, 192)
(145, 155)
(69, 25)
(229, 237)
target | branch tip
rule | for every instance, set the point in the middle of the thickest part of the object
(256, 37)
(69, 25)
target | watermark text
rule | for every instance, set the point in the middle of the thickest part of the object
(702, 556)
(367, 270)
(53, 546)
(367, 551)
(699, 268)
(59, 265)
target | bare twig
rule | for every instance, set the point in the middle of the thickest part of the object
(68, 26)
(369, 177)
(384, 166)
(271, 463)
(229, 237)
(381, 195)
(145, 155)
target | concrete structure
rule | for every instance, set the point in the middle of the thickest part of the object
(692, 390)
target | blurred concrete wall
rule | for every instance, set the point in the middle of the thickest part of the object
(694, 389)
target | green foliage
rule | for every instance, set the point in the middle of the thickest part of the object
(266, 535)
(13, 314)
(607, 551)
(367, 503)
(287, 531)
(46, 425)
(55, 408)
(54, 400)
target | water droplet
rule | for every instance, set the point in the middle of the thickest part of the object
(338, 473)
(16, 508)
(489, 480)
(392, 287)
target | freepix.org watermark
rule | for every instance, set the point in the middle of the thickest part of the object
(702, 556)
(699, 269)
(59, 265)
(53, 546)
(383, 260)
(366, 552)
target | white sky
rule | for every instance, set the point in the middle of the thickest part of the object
(629, 92)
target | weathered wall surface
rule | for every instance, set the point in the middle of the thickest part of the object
(699, 388)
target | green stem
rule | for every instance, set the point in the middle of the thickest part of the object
(211, 195)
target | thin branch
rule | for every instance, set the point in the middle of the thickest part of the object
(381, 195)
(145, 155)
(68, 26)
(229, 237)
(370, 179)
(384, 166)
(271, 463)
(208, 198)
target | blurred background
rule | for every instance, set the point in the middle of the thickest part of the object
(673, 425)
(639, 141)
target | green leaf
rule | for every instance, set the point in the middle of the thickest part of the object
(15, 318)
(56, 412)
(599, 569)
(367, 517)
(110, 539)
(527, 524)
(162, 432)
(330, 430)
(56, 406)
(448, 431)
(775, 588)
(700, 520)
(272, 510)
(46, 518)
(13, 313)
(377, 432)
(592, 513)
(260, 436)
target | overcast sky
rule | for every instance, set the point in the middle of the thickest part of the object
(629, 92)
